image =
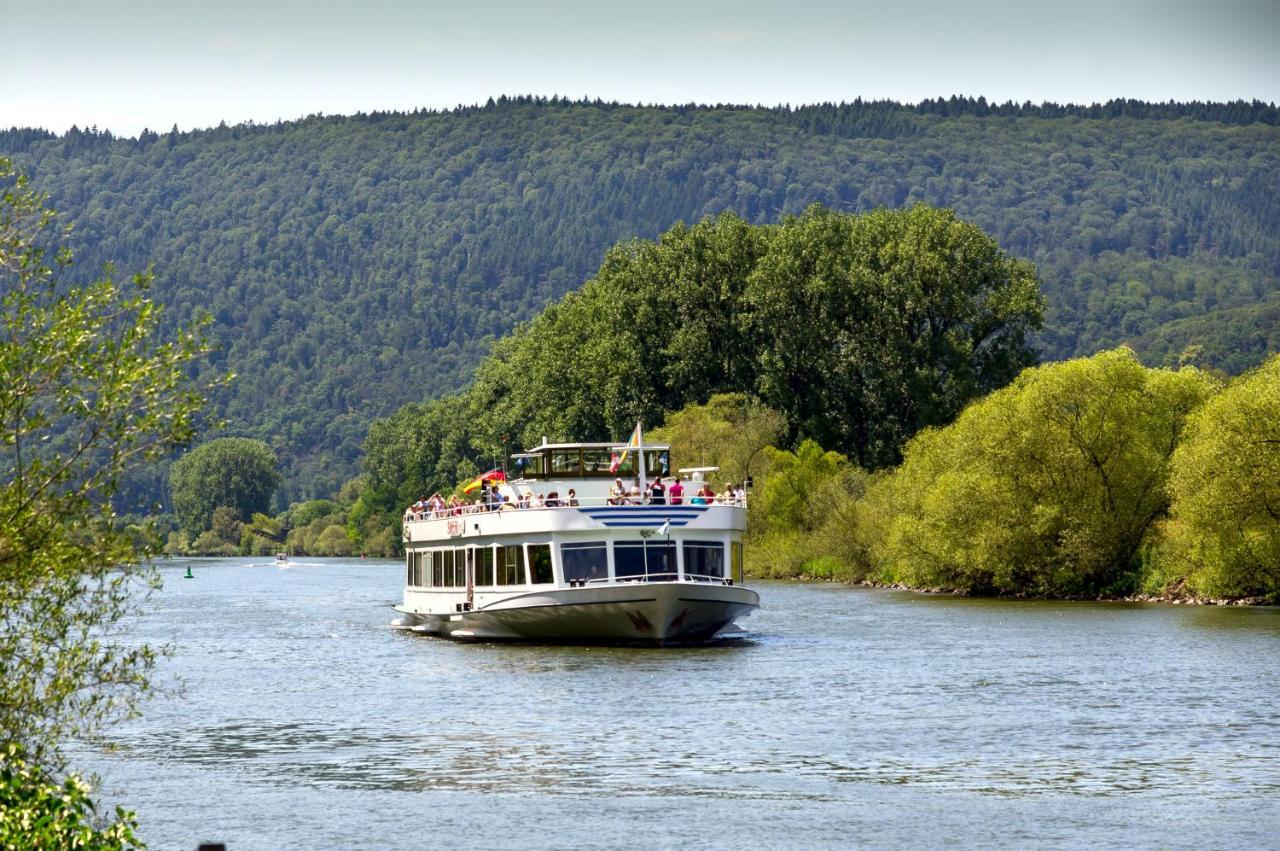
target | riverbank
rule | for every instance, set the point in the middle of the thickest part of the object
(1175, 599)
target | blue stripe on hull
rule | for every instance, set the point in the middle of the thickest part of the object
(649, 523)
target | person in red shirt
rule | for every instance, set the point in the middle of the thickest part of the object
(675, 493)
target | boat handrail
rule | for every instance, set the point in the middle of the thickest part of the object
(719, 500)
(660, 577)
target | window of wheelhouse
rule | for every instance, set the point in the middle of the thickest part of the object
(510, 565)
(484, 566)
(657, 463)
(540, 564)
(528, 466)
(704, 559)
(585, 561)
(565, 463)
(596, 462)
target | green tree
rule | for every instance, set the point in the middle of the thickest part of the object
(89, 388)
(39, 814)
(1049, 487)
(235, 472)
(868, 328)
(1224, 537)
(731, 431)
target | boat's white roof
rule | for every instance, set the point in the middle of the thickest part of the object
(538, 450)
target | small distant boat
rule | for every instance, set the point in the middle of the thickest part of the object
(282, 558)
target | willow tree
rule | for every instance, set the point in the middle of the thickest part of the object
(90, 387)
(1049, 487)
(1224, 537)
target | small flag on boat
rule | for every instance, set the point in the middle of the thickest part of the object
(665, 529)
(633, 443)
(494, 475)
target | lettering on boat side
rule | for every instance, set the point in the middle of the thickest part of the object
(456, 528)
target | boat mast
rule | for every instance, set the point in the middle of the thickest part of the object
(640, 453)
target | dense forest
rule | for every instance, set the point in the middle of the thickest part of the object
(353, 264)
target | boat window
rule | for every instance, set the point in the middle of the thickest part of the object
(735, 562)
(417, 568)
(565, 463)
(437, 568)
(585, 561)
(528, 466)
(628, 560)
(540, 564)
(510, 566)
(660, 560)
(596, 462)
(460, 568)
(484, 566)
(703, 559)
(657, 463)
(636, 560)
(408, 569)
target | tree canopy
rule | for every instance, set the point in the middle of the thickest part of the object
(90, 387)
(1049, 487)
(855, 328)
(1225, 531)
(231, 472)
(355, 264)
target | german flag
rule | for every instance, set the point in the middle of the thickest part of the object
(494, 475)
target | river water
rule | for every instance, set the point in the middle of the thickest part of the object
(846, 717)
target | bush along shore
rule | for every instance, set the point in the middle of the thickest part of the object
(1089, 479)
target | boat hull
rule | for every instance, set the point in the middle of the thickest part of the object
(630, 612)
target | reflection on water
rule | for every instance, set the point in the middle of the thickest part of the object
(867, 717)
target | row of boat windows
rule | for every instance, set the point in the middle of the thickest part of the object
(586, 463)
(580, 562)
(493, 566)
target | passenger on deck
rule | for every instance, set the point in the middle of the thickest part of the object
(704, 496)
(634, 496)
(573, 498)
(553, 499)
(617, 493)
(676, 492)
(657, 493)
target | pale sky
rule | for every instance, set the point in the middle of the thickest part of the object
(130, 64)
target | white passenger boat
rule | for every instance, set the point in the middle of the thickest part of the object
(552, 556)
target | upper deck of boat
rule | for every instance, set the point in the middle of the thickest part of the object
(567, 487)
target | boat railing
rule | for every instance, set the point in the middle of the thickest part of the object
(656, 577)
(543, 503)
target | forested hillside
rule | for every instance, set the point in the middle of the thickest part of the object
(352, 264)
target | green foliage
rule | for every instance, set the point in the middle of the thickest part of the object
(354, 264)
(233, 472)
(90, 388)
(798, 521)
(1049, 487)
(39, 814)
(1224, 537)
(731, 431)
(872, 322)
(870, 327)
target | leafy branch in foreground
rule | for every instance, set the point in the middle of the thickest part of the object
(88, 390)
